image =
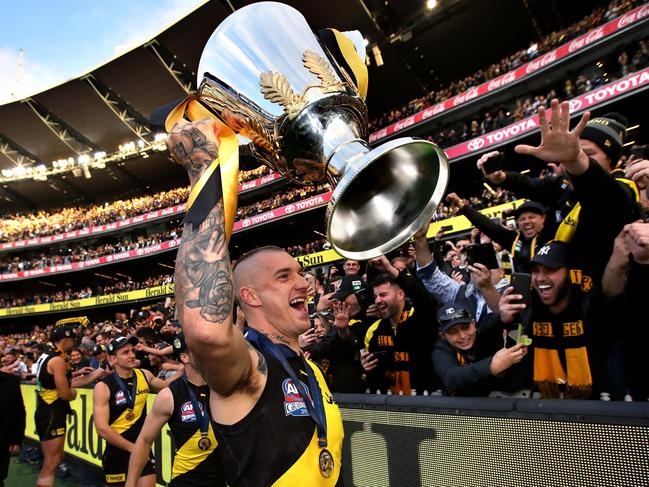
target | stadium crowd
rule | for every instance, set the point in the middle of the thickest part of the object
(117, 286)
(21, 226)
(549, 42)
(503, 114)
(496, 312)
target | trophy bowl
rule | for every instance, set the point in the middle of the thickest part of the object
(265, 74)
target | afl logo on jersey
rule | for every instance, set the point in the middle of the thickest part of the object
(120, 398)
(293, 402)
(187, 412)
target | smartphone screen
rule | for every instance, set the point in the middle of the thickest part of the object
(522, 284)
(493, 164)
(482, 254)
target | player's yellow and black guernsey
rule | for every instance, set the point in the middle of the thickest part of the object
(193, 466)
(115, 460)
(51, 411)
(277, 442)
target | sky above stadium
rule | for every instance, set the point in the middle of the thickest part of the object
(65, 38)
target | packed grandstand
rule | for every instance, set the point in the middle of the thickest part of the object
(101, 242)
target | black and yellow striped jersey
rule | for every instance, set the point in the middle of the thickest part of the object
(45, 385)
(277, 442)
(118, 405)
(191, 465)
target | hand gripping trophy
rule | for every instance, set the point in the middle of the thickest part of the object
(268, 77)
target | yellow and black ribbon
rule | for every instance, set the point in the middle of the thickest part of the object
(220, 180)
(344, 52)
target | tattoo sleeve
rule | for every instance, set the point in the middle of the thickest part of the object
(192, 150)
(203, 271)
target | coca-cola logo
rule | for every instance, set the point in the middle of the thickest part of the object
(475, 144)
(245, 222)
(574, 105)
(289, 209)
(541, 62)
(501, 81)
(439, 108)
(586, 39)
(632, 17)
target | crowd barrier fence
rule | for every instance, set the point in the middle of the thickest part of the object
(447, 441)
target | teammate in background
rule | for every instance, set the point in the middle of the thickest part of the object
(119, 409)
(55, 390)
(271, 408)
(183, 405)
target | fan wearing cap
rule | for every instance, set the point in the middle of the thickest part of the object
(475, 363)
(522, 243)
(100, 357)
(184, 407)
(561, 319)
(603, 200)
(55, 389)
(119, 410)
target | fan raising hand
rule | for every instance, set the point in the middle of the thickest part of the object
(559, 144)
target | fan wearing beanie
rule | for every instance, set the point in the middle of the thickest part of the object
(603, 200)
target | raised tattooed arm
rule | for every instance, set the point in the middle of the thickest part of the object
(203, 279)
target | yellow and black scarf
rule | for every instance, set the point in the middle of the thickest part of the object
(552, 342)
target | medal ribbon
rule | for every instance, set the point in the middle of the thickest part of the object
(201, 415)
(316, 408)
(130, 398)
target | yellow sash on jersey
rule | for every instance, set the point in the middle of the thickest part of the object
(189, 456)
(306, 470)
(228, 159)
(121, 424)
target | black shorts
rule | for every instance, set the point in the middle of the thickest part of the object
(50, 419)
(115, 465)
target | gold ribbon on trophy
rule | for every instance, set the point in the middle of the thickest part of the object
(220, 180)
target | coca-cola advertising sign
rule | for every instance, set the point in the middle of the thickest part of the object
(75, 266)
(576, 45)
(583, 102)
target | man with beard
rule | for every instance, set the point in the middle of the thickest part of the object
(119, 410)
(559, 319)
(586, 187)
(398, 346)
(271, 408)
(183, 405)
(522, 243)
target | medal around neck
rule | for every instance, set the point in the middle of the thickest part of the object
(204, 443)
(326, 463)
(266, 75)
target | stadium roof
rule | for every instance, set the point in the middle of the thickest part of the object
(108, 107)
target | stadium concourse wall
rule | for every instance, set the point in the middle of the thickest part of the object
(457, 224)
(417, 441)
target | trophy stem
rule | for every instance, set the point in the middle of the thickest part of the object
(343, 157)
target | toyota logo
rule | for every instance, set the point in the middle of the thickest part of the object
(475, 144)
(289, 209)
(574, 105)
(246, 222)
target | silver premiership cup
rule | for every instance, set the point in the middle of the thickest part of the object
(265, 74)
